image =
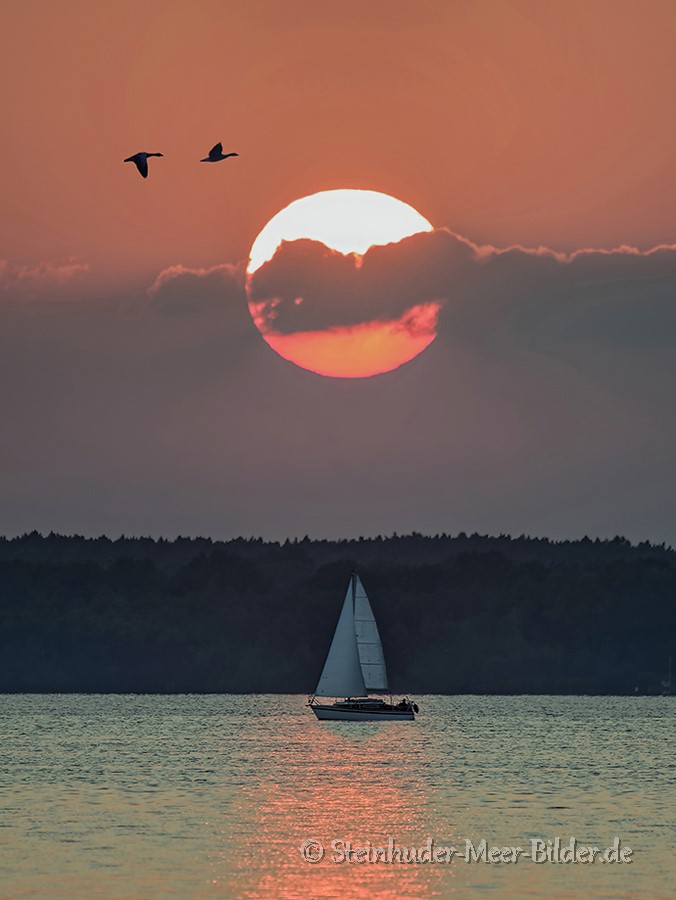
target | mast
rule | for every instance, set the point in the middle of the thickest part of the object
(353, 582)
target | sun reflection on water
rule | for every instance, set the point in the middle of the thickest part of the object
(362, 787)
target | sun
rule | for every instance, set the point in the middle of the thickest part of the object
(347, 223)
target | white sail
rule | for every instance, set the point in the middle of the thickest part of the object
(342, 673)
(369, 647)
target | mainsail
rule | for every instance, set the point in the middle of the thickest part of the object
(355, 662)
(369, 647)
(342, 674)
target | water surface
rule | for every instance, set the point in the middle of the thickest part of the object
(211, 796)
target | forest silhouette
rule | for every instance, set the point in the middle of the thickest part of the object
(462, 614)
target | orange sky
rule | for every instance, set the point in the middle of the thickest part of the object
(526, 122)
(137, 395)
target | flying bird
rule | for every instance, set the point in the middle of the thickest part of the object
(140, 160)
(216, 154)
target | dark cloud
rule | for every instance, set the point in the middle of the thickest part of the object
(563, 303)
(179, 290)
(544, 405)
(19, 283)
(308, 287)
(619, 295)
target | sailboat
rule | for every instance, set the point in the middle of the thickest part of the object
(355, 666)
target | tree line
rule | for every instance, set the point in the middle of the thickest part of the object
(457, 614)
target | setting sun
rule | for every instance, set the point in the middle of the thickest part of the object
(347, 222)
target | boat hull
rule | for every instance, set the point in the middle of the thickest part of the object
(342, 714)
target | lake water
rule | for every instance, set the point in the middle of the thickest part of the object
(211, 796)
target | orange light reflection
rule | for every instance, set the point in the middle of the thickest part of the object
(343, 783)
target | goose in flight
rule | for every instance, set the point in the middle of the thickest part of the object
(140, 160)
(216, 154)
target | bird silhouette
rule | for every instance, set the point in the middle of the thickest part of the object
(140, 160)
(216, 154)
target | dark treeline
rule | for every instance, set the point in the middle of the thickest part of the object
(463, 614)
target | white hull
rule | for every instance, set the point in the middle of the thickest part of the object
(340, 714)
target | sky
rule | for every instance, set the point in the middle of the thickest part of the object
(138, 397)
